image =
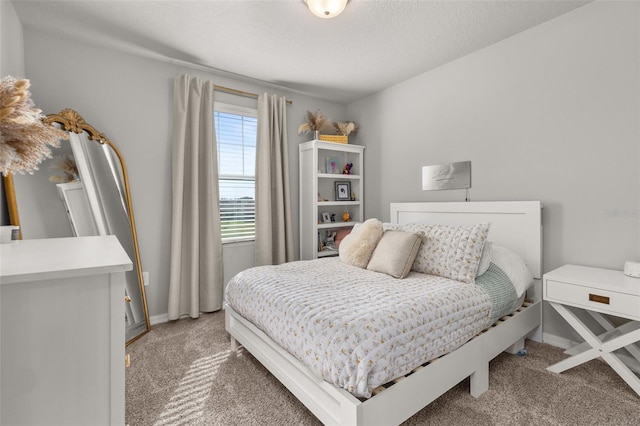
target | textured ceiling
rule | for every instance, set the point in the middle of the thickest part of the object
(371, 46)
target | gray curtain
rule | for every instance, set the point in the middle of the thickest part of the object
(274, 229)
(196, 278)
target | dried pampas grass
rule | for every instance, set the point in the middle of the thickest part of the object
(67, 165)
(25, 141)
(345, 127)
(316, 121)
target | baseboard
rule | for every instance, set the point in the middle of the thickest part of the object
(557, 341)
(159, 319)
(162, 318)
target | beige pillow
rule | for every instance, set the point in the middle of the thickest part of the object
(357, 247)
(395, 253)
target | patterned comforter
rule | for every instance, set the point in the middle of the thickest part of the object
(356, 328)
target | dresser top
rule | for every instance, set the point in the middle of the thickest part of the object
(606, 279)
(51, 258)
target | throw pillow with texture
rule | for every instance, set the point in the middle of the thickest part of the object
(340, 235)
(395, 253)
(450, 251)
(357, 247)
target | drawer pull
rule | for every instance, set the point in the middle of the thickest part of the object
(598, 299)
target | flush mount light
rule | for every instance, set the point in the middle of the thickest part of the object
(326, 8)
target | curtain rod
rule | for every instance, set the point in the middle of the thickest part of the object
(240, 92)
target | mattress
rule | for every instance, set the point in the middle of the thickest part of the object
(359, 329)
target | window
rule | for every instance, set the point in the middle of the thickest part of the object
(236, 134)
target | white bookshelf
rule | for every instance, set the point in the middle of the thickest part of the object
(317, 192)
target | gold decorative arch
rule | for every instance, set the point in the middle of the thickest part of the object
(71, 121)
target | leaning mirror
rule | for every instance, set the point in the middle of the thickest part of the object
(82, 190)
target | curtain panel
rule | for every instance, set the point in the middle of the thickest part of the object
(274, 229)
(196, 276)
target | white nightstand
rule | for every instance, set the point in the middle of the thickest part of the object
(598, 291)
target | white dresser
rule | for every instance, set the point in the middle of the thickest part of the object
(62, 331)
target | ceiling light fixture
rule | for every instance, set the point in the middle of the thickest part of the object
(326, 8)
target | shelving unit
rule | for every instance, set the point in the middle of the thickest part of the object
(318, 179)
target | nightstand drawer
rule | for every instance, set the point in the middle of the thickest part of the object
(620, 304)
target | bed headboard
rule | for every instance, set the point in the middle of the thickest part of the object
(516, 225)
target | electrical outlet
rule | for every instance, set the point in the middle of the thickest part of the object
(145, 278)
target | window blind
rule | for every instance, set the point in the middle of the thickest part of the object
(236, 133)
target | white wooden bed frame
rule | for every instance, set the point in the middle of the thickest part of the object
(516, 225)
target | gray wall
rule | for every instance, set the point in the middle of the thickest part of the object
(11, 63)
(129, 99)
(11, 42)
(550, 114)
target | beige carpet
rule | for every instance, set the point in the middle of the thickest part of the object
(182, 373)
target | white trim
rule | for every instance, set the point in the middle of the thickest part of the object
(558, 341)
(159, 319)
(239, 241)
(235, 109)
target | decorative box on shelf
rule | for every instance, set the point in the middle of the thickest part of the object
(334, 138)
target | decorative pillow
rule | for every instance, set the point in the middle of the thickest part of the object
(450, 251)
(392, 226)
(395, 253)
(513, 266)
(357, 247)
(340, 234)
(485, 259)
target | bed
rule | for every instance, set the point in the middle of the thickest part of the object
(516, 225)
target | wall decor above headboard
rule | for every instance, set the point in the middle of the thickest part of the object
(447, 176)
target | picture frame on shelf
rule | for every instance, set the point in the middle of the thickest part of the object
(333, 165)
(343, 191)
(326, 217)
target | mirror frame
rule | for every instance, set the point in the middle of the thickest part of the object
(71, 121)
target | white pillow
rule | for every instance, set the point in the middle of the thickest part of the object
(357, 247)
(485, 259)
(513, 266)
(395, 253)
